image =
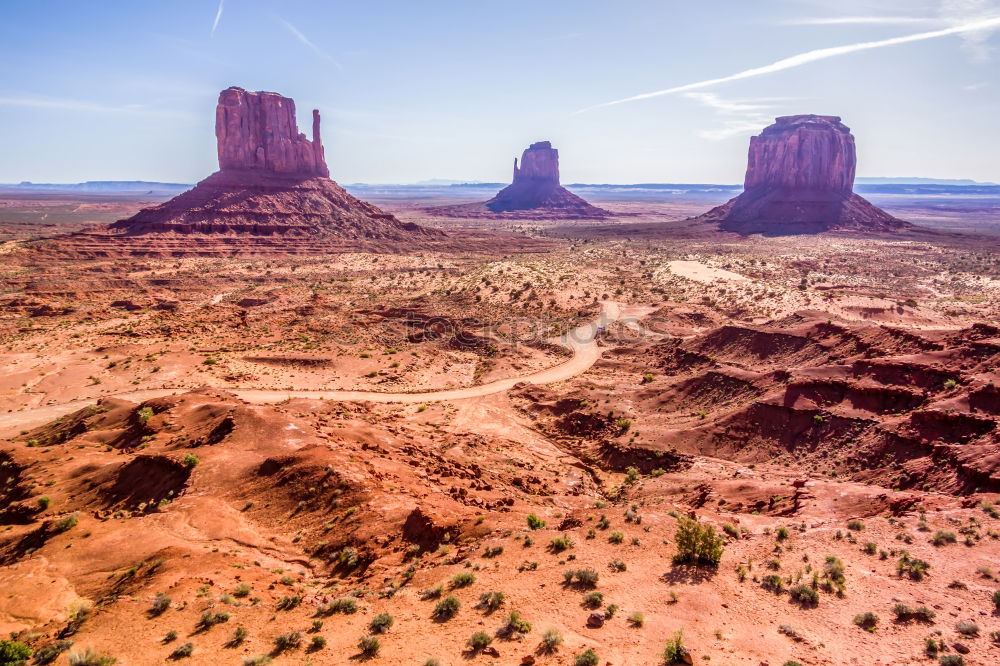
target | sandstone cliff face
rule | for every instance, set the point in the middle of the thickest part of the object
(803, 153)
(800, 179)
(258, 131)
(540, 162)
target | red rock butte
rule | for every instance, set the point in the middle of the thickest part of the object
(535, 192)
(800, 179)
(271, 194)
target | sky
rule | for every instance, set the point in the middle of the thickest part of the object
(629, 91)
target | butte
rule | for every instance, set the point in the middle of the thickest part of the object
(800, 180)
(272, 194)
(534, 192)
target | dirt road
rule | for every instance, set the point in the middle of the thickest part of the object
(582, 341)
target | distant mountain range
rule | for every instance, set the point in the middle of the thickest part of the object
(442, 186)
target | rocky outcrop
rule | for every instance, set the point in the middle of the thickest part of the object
(258, 131)
(536, 187)
(800, 179)
(272, 192)
(534, 193)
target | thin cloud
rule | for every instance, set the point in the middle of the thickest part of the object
(305, 40)
(955, 12)
(813, 56)
(865, 20)
(738, 117)
(60, 104)
(218, 16)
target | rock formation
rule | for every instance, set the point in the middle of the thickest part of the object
(257, 130)
(800, 179)
(536, 187)
(534, 193)
(272, 194)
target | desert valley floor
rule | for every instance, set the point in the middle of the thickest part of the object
(489, 451)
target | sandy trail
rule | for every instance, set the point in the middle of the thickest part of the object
(699, 272)
(582, 341)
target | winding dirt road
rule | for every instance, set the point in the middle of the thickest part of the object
(582, 341)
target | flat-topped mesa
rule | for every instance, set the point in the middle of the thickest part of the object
(800, 180)
(257, 131)
(539, 163)
(808, 152)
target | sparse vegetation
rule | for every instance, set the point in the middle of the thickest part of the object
(697, 543)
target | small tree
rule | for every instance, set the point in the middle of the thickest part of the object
(697, 543)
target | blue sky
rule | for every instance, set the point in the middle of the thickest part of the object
(455, 89)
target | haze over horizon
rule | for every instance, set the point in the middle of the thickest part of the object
(645, 91)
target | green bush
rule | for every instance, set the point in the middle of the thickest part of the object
(48, 653)
(951, 660)
(463, 579)
(943, 537)
(674, 651)
(317, 643)
(447, 608)
(44, 502)
(491, 600)
(534, 522)
(160, 604)
(559, 544)
(551, 640)
(369, 645)
(697, 543)
(586, 658)
(288, 641)
(805, 595)
(904, 613)
(182, 651)
(479, 641)
(13, 653)
(191, 461)
(380, 623)
(867, 621)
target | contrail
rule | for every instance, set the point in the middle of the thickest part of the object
(305, 40)
(218, 16)
(812, 56)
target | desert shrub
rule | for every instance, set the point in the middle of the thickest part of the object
(446, 608)
(170, 636)
(191, 461)
(805, 595)
(674, 651)
(90, 657)
(773, 583)
(515, 624)
(209, 619)
(582, 577)
(44, 502)
(617, 565)
(242, 590)
(380, 623)
(855, 525)
(182, 651)
(493, 551)
(432, 592)
(236, 640)
(905, 613)
(871, 548)
(967, 628)
(593, 600)
(479, 641)
(996, 599)
(48, 653)
(943, 538)
(491, 600)
(534, 522)
(731, 530)
(697, 543)
(616, 537)
(781, 534)
(66, 523)
(259, 660)
(369, 645)
(586, 658)
(559, 544)
(288, 641)
(951, 660)
(317, 643)
(160, 604)
(463, 579)
(551, 640)
(347, 606)
(14, 653)
(867, 621)
(637, 619)
(914, 568)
